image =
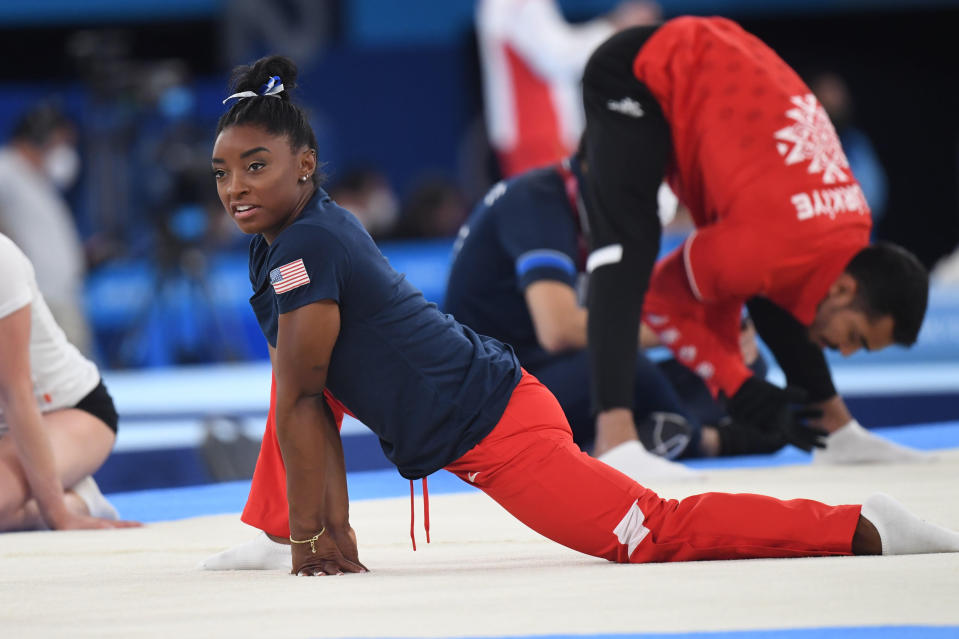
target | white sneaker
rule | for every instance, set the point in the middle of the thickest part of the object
(631, 459)
(853, 444)
(87, 490)
(260, 553)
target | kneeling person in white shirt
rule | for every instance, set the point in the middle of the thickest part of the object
(57, 421)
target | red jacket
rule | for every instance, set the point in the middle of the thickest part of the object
(758, 163)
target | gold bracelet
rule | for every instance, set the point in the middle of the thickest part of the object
(311, 540)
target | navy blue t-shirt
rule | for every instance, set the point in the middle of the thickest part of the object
(429, 387)
(523, 231)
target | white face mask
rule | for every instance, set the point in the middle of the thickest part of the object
(62, 165)
(382, 210)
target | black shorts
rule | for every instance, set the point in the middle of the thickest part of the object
(99, 404)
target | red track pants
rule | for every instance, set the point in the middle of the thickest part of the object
(530, 466)
(266, 507)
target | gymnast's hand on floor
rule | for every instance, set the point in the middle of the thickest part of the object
(345, 539)
(321, 555)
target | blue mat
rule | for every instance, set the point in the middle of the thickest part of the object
(878, 632)
(921, 436)
(229, 497)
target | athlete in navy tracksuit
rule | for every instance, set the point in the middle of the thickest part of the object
(440, 370)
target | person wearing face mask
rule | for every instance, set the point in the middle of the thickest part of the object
(36, 165)
(367, 193)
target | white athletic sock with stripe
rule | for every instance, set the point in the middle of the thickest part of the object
(903, 533)
(631, 459)
(853, 444)
(260, 553)
(88, 491)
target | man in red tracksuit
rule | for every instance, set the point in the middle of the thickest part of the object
(781, 223)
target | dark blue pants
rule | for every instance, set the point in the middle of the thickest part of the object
(567, 377)
(667, 387)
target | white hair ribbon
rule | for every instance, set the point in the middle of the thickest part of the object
(272, 87)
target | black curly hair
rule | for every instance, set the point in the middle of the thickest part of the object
(892, 282)
(278, 115)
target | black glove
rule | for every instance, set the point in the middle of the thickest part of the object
(766, 407)
(736, 439)
(804, 436)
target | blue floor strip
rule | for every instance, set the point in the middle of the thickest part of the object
(229, 497)
(921, 436)
(875, 632)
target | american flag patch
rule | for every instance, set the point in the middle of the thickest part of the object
(289, 276)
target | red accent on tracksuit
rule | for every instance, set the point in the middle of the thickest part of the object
(266, 507)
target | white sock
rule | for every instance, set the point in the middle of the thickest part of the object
(853, 444)
(903, 533)
(631, 459)
(87, 490)
(260, 553)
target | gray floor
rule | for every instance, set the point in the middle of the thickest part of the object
(484, 575)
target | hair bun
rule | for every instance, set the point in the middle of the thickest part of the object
(252, 77)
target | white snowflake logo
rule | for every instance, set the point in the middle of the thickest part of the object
(669, 336)
(656, 320)
(812, 138)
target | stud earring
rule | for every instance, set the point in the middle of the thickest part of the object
(304, 178)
